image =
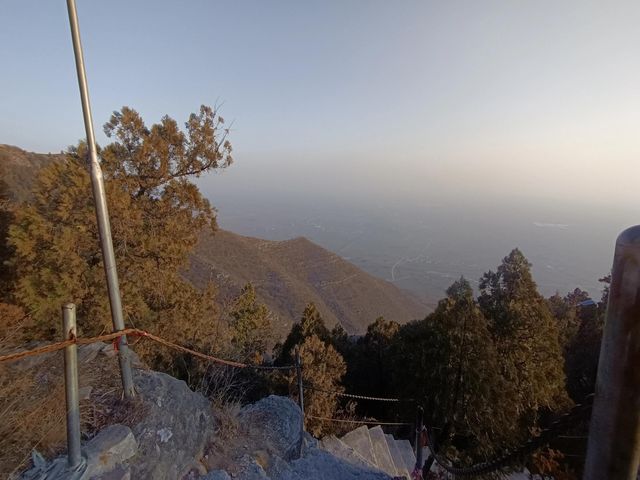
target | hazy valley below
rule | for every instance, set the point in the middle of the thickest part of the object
(424, 248)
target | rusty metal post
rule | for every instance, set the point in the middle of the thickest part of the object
(613, 451)
(102, 212)
(71, 386)
(300, 396)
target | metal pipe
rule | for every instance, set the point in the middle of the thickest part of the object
(74, 456)
(614, 435)
(419, 446)
(102, 212)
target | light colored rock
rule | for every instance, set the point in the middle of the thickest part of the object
(320, 465)
(398, 461)
(87, 353)
(381, 450)
(216, 475)
(280, 420)
(108, 350)
(85, 392)
(171, 437)
(338, 448)
(113, 446)
(119, 473)
(360, 441)
(249, 469)
(406, 451)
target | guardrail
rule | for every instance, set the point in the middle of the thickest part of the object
(614, 435)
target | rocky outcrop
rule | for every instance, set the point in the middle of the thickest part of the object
(174, 433)
(177, 426)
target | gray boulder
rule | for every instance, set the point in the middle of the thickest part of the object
(216, 475)
(280, 420)
(177, 425)
(112, 447)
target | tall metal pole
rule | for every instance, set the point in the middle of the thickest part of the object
(613, 451)
(71, 386)
(102, 213)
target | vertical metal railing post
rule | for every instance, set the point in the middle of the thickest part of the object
(298, 364)
(71, 386)
(102, 212)
(419, 427)
(613, 451)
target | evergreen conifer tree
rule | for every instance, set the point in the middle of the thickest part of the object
(525, 335)
(156, 215)
(250, 323)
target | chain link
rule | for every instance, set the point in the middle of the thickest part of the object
(358, 397)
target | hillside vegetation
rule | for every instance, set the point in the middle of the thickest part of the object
(488, 370)
(289, 274)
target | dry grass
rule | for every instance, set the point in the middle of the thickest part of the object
(230, 436)
(33, 410)
(234, 439)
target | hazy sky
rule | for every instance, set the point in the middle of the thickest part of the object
(527, 99)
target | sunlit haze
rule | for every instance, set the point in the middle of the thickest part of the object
(527, 111)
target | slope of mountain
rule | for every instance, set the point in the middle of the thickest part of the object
(18, 169)
(289, 274)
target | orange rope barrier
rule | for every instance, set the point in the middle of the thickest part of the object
(134, 332)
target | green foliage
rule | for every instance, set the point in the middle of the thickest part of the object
(369, 364)
(583, 351)
(250, 325)
(156, 215)
(6, 251)
(323, 367)
(525, 335)
(449, 363)
(310, 324)
(564, 310)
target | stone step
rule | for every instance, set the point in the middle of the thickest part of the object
(360, 441)
(381, 450)
(338, 448)
(407, 453)
(398, 460)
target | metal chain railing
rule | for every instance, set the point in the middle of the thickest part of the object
(554, 430)
(309, 386)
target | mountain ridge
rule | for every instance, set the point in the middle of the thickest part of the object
(286, 274)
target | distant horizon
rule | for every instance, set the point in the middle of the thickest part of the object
(530, 100)
(515, 124)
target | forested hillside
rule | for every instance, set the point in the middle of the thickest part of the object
(289, 274)
(286, 275)
(488, 369)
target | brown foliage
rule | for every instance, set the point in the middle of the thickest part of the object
(323, 367)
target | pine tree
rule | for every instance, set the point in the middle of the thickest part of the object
(526, 336)
(583, 351)
(322, 367)
(156, 216)
(310, 324)
(6, 252)
(565, 311)
(250, 323)
(369, 365)
(457, 380)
